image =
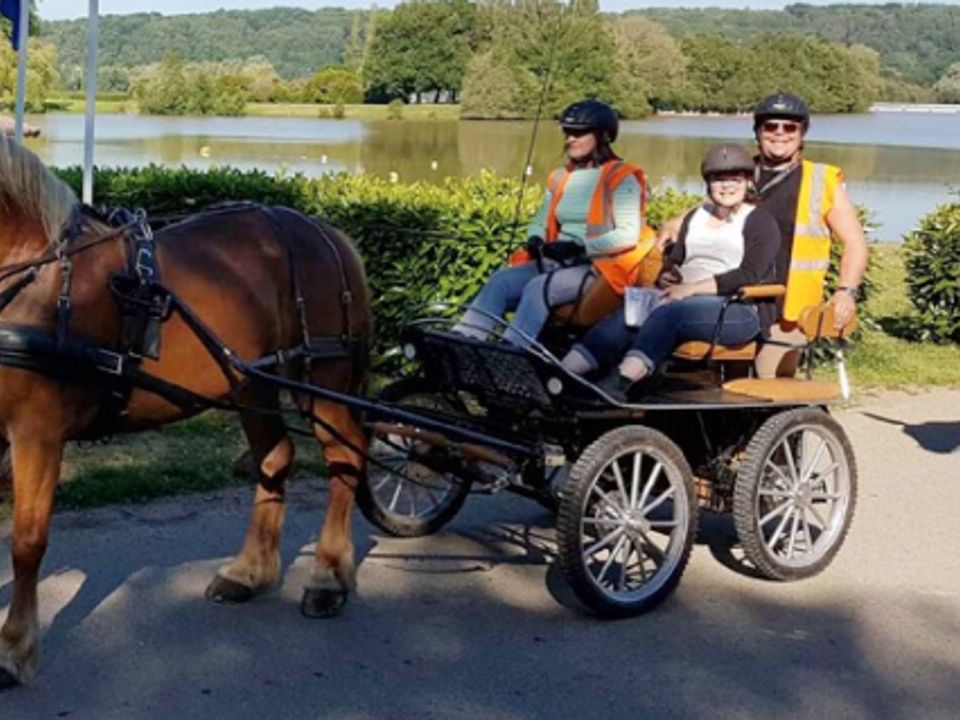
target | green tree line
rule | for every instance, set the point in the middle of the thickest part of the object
(493, 57)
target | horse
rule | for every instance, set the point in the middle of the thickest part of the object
(235, 268)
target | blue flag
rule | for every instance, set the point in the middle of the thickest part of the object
(11, 9)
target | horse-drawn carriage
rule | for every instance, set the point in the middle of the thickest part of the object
(627, 479)
(107, 329)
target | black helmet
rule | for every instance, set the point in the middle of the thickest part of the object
(591, 115)
(726, 158)
(781, 105)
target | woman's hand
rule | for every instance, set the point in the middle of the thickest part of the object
(680, 292)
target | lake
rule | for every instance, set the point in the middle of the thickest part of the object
(899, 164)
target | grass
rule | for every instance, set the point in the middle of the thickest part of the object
(295, 110)
(882, 360)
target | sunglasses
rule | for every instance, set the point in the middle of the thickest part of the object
(576, 132)
(773, 126)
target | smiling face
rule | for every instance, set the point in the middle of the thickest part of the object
(728, 189)
(578, 144)
(780, 140)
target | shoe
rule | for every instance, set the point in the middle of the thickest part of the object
(615, 386)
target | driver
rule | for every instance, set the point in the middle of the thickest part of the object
(590, 224)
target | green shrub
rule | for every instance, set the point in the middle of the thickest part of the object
(395, 109)
(339, 111)
(932, 254)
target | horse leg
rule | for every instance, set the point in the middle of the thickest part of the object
(36, 469)
(334, 574)
(256, 567)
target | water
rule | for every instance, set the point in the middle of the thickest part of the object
(901, 165)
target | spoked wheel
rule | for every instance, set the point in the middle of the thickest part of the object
(795, 494)
(427, 495)
(628, 517)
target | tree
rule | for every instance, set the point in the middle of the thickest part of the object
(42, 74)
(495, 90)
(719, 74)
(947, 88)
(333, 85)
(651, 65)
(419, 48)
(539, 41)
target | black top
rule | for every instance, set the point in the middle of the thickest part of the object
(761, 243)
(778, 194)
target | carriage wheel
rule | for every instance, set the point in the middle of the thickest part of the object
(426, 501)
(628, 516)
(795, 494)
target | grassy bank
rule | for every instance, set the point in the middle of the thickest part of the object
(294, 110)
(883, 360)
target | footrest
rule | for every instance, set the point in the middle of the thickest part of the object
(784, 389)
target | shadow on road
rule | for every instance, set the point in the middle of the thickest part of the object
(455, 634)
(938, 437)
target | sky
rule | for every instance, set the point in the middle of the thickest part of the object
(67, 9)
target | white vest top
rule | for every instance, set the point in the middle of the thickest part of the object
(713, 250)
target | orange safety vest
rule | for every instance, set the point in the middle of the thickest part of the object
(618, 270)
(810, 255)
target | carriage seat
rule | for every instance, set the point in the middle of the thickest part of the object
(698, 350)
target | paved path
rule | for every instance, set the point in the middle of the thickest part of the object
(467, 624)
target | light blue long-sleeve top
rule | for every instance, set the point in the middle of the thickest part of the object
(574, 205)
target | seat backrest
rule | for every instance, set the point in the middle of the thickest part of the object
(819, 321)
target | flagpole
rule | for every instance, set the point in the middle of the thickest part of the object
(21, 30)
(93, 36)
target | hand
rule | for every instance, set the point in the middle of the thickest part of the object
(535, 246)
(563, 250)
(678, 292)
(844, 308)
(669, 276)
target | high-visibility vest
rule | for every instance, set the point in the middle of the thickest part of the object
(618, 270)
(810, 255)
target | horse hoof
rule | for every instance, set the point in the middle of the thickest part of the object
(8, 680)
(222, 591)
(322, 603)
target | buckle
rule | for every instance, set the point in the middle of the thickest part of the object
(144, 262)
(114, 366)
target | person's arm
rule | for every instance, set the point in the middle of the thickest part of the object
(845, 226)
(538, 226)
(627, 222)
(761, 241)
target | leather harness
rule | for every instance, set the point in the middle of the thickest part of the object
(145, 303)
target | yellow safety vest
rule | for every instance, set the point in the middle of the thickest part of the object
(810, 256)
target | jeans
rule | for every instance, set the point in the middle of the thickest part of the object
(669, 325)
(521, 288)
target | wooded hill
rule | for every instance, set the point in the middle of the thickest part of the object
(919, 42)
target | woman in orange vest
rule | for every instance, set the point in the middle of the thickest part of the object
(590, 225)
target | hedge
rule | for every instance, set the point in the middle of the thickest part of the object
(421, 242)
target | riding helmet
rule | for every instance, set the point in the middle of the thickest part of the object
(781, 105)
(591, 115)
(726, 158)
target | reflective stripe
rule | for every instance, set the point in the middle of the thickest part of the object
(818, 230)
(809, 265)
(816, 198)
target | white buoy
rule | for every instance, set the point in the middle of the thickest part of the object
(323, 159)
(434, 165)
(205, 151)
(394, 176)
(529, 170)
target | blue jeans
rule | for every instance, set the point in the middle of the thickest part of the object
(521, 288)
(669, 325)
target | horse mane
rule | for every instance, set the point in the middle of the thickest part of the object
(29, 189)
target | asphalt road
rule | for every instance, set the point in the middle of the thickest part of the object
(476, 623)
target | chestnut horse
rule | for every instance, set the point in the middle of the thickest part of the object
(234, 268)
